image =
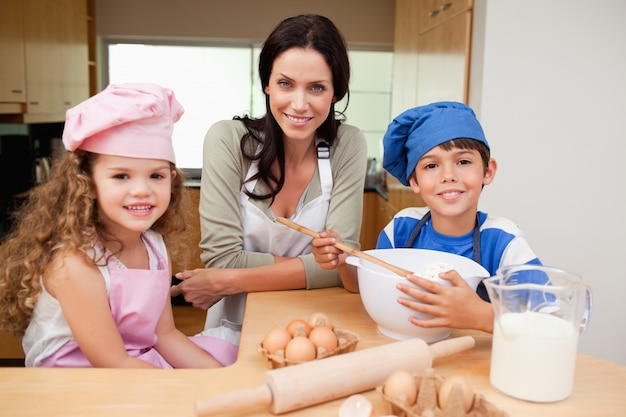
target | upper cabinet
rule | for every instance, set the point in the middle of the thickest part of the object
(435, 12)
(432, 48)
(12, 73)
(56, 58)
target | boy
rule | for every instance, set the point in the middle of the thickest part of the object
(440, 151)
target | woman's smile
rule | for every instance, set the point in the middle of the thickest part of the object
(298, 120)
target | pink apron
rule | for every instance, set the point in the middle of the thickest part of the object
(137, 298)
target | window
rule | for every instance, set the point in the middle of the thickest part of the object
(215, 82)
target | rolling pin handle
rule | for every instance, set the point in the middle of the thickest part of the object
(235, 401)
(451, 346)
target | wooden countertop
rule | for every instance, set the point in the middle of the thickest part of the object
(599, 390)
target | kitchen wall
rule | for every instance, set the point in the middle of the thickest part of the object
(548, 84)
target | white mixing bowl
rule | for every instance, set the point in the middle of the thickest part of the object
(377, 286)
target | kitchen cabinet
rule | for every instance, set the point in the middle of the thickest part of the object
(432, 49)
(401, 196)
(12, 73)
(55, 57)
(92, 48)
(378, 210)
(432, 13)
(56, 49)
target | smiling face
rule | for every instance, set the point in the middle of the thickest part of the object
(300, 91)
(450, 183)
(131, 193)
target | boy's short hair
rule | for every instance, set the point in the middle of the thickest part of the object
(471, 144)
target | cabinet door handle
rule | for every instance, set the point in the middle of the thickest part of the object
(17, 91)
(33, 103)
(433, 13)
(445, 6)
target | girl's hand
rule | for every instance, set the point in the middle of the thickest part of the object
(456, 307)
(177, 349)
(203, 287)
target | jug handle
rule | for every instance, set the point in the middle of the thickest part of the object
(587, 314)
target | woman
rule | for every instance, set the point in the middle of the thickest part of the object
(298, 161)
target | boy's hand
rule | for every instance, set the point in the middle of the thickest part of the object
(457, 306)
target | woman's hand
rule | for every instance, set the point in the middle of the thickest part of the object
(326, 255)
(203, 287)
(330, 257)
(456, 307)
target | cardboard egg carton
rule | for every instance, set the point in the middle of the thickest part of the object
(427, 405)
(346, 342)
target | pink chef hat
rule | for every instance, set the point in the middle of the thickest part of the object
(132, 120)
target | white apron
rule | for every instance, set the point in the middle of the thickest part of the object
(262, 234)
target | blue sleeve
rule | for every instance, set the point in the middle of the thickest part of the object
(383, 241)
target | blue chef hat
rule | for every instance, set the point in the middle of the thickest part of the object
(416, 131)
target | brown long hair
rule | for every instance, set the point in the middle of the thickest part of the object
(304, 31)
(59, 214)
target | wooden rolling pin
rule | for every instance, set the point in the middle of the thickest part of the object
(299, 386)
(346, 248)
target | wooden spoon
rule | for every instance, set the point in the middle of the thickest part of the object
(345, 248)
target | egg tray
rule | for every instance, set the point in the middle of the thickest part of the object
(346, 342)
(426, 405)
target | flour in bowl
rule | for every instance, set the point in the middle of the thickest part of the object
(433, 270)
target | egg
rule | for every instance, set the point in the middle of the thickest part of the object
(447, 389)
(324, 337)
(400, 385)
(356, 406)
(276, 339)
(319, 319)
(300, 349)
(294, 325)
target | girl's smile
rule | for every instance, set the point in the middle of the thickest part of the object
(140, 210)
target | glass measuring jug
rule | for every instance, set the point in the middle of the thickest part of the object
(540, 312)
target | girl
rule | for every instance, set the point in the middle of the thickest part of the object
(86, 272)
(298, 161)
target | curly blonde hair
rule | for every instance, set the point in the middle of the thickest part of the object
(61, 213)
